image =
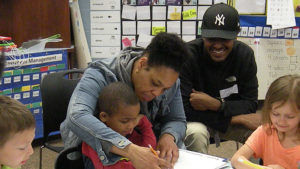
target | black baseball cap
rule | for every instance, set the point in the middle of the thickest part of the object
(220, 21)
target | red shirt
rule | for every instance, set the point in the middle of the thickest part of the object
(142, 136)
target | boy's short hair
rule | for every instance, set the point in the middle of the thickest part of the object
(14, 118)
(115, 95)
(167, 49)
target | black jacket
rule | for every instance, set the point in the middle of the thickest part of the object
(201, 73)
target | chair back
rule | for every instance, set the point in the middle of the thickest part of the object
(56, 91)
(63, 160)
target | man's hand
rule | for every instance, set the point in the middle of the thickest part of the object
(168, 149)
(202, 101)
(251, 121)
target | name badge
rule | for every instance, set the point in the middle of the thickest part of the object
(227, 92)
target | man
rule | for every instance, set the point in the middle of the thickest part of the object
(153, 74)
(218, 84)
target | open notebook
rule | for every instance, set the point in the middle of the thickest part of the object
(194, 160)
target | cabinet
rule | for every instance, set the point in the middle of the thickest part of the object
(32, 19)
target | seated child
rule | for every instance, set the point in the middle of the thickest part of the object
(277, 141)
(119, 109)
(17, 128)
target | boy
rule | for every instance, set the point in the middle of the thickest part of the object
(17, 128)
(119, 109)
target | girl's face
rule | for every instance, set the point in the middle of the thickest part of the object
(17, 150)
(285, 118)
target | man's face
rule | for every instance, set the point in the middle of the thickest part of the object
(123, 120)
(218, 48)
(150, 82)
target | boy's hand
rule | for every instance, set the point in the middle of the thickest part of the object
(143, 158)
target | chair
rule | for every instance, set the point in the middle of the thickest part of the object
(63, 162)
(56, 91)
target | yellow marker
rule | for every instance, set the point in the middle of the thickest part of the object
(249, 163)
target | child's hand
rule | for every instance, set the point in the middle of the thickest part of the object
(274, 166)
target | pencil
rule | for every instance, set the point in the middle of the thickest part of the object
(153, 151)
(250, 163)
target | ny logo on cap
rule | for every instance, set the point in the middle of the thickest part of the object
(220, 19)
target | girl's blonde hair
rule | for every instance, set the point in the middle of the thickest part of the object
(284, 89)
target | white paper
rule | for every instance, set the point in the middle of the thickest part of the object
(220, 1)
(105, 28)
(105, 40)
(288, 33)
(104, 52)
(274, 58)
(295, 33)
(174, 12)
(128, 12)
(143, 12)
(250, 7)
(273, 33)
(188, 38)
(105, 16)
(129, 27)
(258, 30)
(188, 27)
(201, 11)
(144, 27)
(244, 31)
(204, 2)
(280, 32)
(144, 40)
(266, 32)
(251, 31)
(280, 14)
(159, 13)
(193, 160)
(105, 5)
(173, 27)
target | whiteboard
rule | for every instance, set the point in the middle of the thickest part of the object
(274, 58)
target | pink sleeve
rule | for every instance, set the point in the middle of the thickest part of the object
(256, 142)
(146, 135)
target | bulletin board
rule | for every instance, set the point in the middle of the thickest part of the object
(22, 76)
(113, 25)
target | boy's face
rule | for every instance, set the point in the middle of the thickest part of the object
(124, 120)
(17, 150)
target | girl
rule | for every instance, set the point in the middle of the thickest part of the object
(277, 141)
